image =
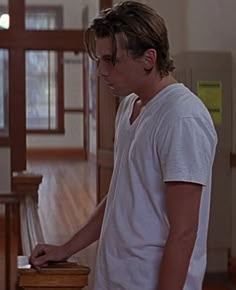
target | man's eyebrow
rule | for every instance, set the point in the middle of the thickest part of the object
(106, 56)
(103, 56)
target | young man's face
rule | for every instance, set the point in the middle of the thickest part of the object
(127, 75)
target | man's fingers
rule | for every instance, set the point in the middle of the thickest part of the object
(40, 261)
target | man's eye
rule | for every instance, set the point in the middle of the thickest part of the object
(108, 60)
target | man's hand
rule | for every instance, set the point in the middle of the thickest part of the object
(44, 253)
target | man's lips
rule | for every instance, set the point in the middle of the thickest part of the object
(110, 85)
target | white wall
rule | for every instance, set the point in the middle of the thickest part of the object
(71, 139)
(93, 9)
(174, 14)
(211, 26)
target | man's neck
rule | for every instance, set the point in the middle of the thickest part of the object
(153, 87)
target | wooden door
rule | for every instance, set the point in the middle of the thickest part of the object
(106, 111)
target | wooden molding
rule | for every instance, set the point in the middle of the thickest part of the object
(4, 141)
(232, 270)
(105, 4)
(43, 39)
(56, 153)
(74, 110)
(232, 160)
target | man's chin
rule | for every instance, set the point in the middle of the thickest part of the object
(119, 94)
(114, 92)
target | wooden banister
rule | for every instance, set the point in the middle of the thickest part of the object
(26, 184)
(11, 231)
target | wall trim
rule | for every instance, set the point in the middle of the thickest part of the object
(55, 153)
(217, 278)
(232, 270)
(232, 160)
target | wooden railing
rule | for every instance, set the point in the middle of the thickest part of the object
(20, 225)
(27, 185)
(10, 238)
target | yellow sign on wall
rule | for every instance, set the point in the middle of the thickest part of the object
(210, 92)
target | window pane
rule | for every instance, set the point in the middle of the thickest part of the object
(41, 92)
(42, 19)
(3, 92)
(74, 14)
(73, 76)
(4, 16)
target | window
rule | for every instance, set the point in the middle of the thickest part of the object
(44, 77)
(41, 90)
(44, 101)
(3, 92)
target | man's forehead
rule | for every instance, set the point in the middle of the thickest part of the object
(104, 45)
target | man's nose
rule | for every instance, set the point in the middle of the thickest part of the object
(101, 70)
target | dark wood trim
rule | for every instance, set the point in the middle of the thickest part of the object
(46, 132)
(4, 141)
(86, 103)
(17, 104)
(60, 92)
(6, 93)
(74, 110)
(55, 153)
(232, 270)
(232, 160)
(85, 24)
(10, 200)
(9, 197)
(98, 178)
(17, 14)
(217, 278)
(65, 40)
(105, 158)
(105, 4)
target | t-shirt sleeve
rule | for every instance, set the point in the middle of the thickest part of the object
(187, 150)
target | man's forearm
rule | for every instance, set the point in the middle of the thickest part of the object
(175, 262)
(89, 233)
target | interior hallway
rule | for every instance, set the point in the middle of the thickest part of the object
(67, 197)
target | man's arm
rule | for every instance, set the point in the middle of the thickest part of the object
(182, 204)
(88, 234)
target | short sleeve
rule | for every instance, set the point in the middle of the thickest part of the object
(187, 150)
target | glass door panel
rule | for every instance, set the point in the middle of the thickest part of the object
(4, 16)
(4, 92)
(60, 14)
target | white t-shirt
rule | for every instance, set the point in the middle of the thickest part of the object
(173, 139)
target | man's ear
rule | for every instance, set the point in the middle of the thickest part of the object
(149, 59)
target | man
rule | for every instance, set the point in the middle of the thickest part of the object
(152, 226)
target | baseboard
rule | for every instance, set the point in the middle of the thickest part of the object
(232, 270)
(216, 278)
(56, 153)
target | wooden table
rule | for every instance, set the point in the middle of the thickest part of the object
(63, 276)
